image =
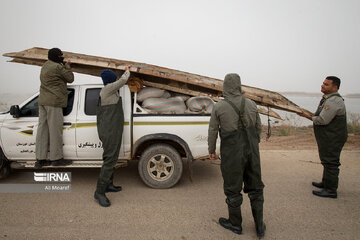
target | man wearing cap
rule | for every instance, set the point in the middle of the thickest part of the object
(110, 124)
(330, 130)
(53, 97)
(237, 121)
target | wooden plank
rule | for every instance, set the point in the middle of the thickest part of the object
(96, 72)
(165, 78)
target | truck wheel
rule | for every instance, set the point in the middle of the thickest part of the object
(160, 166)
(4, 166)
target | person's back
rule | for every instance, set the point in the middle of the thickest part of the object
(229, 119)
(226, 117)
(54, 77)
(237, 121)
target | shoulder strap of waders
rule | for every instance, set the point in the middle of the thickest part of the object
(240, 111)
(99, 102)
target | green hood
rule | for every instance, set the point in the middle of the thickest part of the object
(232, 85)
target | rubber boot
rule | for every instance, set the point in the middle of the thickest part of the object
(325, 193)
(235, 217)
(332, 179)
(257, 213)
(320, 184)
(111, 187)
(234, 222)
(39, 164)
(100, 195)
(323, 178)
(257, 202)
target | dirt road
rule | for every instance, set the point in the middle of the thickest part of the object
(190, 210)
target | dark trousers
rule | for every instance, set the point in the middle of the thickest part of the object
(110, 124)
(330, 140)
(240, 165)
(110, 157)
(330, 159)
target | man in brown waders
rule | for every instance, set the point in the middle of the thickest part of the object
(238, 121)
(110, 124)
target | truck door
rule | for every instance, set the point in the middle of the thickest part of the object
(19, 134)
(88, 145)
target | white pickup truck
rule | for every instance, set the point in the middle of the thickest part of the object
(161, 142)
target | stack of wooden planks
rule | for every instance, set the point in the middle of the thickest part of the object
(164, 78)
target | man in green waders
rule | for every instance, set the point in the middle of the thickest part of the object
(238, 122)
(110, 124)
(330, 130)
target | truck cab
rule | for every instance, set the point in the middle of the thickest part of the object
(161, 143)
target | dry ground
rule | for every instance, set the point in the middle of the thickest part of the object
(190, 210)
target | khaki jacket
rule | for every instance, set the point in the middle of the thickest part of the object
(54, 77)
(333, 106)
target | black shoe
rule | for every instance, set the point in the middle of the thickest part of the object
(113, 188)
(102, 199)
(261, 233)
(318, 184)
(41, 163)
(227, 224)
(325, 193)
(61, 162)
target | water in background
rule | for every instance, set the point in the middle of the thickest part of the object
(309, 103)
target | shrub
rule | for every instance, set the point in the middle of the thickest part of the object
(286, 130)
(353, 123)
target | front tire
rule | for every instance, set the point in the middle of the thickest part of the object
(160, 166)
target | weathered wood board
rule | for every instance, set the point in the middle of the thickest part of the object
(165, 78)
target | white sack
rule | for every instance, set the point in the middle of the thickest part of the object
(200, 104)
(165, 105)
(184, 97)
(166, 94)
(149, 92)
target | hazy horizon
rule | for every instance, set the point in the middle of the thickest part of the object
(354, 95)
(279, 45)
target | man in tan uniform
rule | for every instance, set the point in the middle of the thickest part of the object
(53, 97)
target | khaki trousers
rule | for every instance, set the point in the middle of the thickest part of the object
(49, 137)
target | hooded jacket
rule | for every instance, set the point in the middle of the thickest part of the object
(224, 116)
(54, 77)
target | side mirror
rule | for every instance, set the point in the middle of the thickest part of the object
(15, 111)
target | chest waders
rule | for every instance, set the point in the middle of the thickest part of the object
(110, 124)
(240, 163)
(330, 140)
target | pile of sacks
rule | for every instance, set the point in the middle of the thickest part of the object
(156, 100)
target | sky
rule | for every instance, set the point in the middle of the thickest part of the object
(278, 45)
